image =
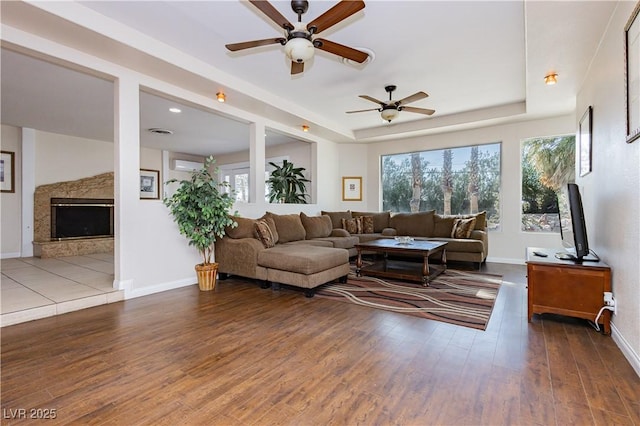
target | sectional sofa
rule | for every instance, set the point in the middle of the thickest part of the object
(307, 251)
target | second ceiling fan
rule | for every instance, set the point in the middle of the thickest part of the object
(391, 109)
(299, 44)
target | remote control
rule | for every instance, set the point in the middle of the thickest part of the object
(540, 254)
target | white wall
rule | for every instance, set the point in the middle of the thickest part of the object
(10, 202)
(506, 245)
(611, 192)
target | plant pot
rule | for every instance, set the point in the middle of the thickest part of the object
(207, 274)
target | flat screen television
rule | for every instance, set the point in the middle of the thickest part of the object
(573, 227)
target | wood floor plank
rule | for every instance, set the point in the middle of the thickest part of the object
(242, 355)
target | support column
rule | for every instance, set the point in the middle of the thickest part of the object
(28, 189)
(127, 177)
(256, 163)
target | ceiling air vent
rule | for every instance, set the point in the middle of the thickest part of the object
(161, 131)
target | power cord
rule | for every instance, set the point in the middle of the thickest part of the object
(595, 324)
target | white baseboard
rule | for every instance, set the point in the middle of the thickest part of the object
(9, 255)
(130, 292)
(505, 260)
(627, 350)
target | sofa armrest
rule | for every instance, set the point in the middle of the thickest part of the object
(338, 232)
(481, 236)
(238, 255)
(389, 232)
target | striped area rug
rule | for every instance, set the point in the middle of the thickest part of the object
(456, 297)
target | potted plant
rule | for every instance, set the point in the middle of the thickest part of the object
(287, 184)
(200, 206)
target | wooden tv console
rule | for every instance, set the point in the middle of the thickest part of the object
(567, 287)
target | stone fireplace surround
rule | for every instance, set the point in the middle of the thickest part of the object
(100, 186)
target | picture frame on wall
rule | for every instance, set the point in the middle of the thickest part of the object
(352, 188)
(7, 171)
(584, 141)
(632, 75)
(149, 184)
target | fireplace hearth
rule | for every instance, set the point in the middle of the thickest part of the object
(73, 218)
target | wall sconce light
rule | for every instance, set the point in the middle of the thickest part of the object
(221, 97)
(305, 128)
(550, 79)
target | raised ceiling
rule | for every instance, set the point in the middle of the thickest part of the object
(481, 62)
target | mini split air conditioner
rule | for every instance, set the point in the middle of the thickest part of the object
(187, 166)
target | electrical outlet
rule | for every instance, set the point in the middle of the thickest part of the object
(610, 301)
(608, 298)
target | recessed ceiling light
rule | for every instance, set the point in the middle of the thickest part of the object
(305, 128)
(175, 110)
(221, 97)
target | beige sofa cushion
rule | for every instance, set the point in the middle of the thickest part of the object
(288, 226)
(302, 259)
(481, 220)
(419, 224)
(443, 225)
(316, 226)
(380, 219)
(336, 217)
(245, 228)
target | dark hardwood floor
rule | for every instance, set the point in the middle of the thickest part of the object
(241, 355)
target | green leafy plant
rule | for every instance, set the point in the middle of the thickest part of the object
(287, 184)
(200, 206)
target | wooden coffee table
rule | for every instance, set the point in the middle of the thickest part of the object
(387, 268)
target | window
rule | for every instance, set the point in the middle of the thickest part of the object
(450, 181)
(237, 175)
(548, 164)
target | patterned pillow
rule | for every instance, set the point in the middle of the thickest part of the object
(264, 234)
(462, 227)
(367, 224)
(350, 225)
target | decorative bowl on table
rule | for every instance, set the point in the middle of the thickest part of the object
(404, 240)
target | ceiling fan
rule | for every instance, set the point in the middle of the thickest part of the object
(299, 44)
(391, 109)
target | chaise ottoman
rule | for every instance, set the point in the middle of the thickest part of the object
(304, 266)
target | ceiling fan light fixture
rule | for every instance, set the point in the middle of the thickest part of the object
(550, 79)
(221, 97)
(299, 50)
(389, 114)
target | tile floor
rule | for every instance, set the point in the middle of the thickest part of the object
(33, 288)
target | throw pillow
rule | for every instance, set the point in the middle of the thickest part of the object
(462, 227)
(316, 226)
(367, 224)
(350, 225)
(336, 217)
(264, 234)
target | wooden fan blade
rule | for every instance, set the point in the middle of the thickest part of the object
(297, 67)
(272, 13)
(337, 13)
(369, 98)
(415, 97)
(340, 50)
(362, 110)
(424, 111)
(255, 43)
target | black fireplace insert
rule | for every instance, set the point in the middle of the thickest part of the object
(81, 218)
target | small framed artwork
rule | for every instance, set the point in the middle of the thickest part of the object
(352, 188)
(7, 171)
(584, 141)
(149, 184)
(632, 74)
